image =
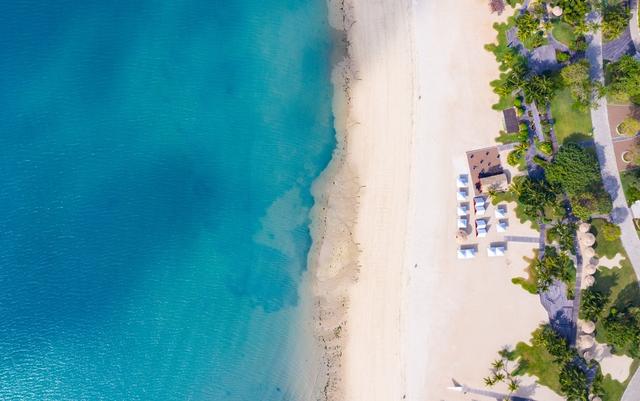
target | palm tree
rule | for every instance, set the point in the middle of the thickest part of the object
(513, 386)
(498, 364)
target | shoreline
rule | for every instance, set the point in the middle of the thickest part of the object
(333, 256)
(389, 296)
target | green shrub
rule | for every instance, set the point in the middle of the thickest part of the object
(562, 56)
(513, 158)
(633, 194)
(629, 126)
(610, 231)
(546, 148)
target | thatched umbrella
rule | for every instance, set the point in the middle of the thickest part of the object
(556, 11)
(584, 227)
(594, 261)
(588, 355)
(587, 239)
(588, 253)
(585, 341)
(589, 269)
(587, 326)
(596, 398)
(588, 281)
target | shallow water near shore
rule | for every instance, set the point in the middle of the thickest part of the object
(155, 172)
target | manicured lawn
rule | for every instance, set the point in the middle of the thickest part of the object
(563, 32)
(621, 287)
(536, 361)
(507, 138)
(571, 125)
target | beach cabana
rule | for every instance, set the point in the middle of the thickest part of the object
(584, 227)
(502, 226)
(585, 341)
(463, 209)
(589, 253)
(481, 223)
(480, 210)
(462, 194)
(589, 269)
(462, 181)
(479, 201)
(493, 251)
(587, 239)
(588, 281)
(501, 212)
(587, 326)
(466, 253)
(463, 222)
(482, 232)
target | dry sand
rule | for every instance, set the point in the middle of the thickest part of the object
(397, 315)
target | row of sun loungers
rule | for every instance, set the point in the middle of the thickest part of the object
(471, 252)
(480, 206)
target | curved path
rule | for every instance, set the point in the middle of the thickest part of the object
(621, 214)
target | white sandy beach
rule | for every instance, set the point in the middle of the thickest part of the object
(399, 315)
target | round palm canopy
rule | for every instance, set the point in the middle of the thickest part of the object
(589, 253)
(588, 281)
(584, 227)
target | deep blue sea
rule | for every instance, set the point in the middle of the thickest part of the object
(156, 159)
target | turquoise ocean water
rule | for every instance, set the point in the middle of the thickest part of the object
(155, 165)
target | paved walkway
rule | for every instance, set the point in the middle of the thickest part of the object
(621, 214)
(490, 394)
(512, 238)
(633, 25)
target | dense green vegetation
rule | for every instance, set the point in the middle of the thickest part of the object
(576, 78)
(615, 18)
(606, 246)
(631, 185)
(510, 63)
(536, 198)
(564, 234)
(553, 266)
(574, 11)
(577, 172)
(592, 304)
(529, 30)
(554, 363)
(623, 79)
(571, 124)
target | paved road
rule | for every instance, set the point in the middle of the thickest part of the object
(532, 240)
(621, 214)
(633, 25)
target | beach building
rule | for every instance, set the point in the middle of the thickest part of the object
(466, 253)
(463, 209)
(510, 120)
(501, 212)
(497, 182)
(495, 250)
(483, 163)
(502, 226)
(462, 181)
